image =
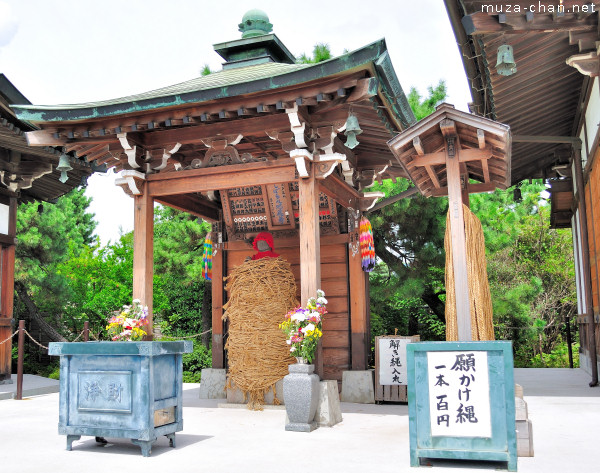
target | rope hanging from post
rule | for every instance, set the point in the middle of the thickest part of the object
(261, 293)
(480, 299)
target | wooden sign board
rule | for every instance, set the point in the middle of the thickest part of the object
(391, 367)
(461, 401)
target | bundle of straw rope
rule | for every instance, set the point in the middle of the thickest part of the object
(480, 299)
(261, 293)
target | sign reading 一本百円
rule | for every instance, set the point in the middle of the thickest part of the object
(392, 361)
(459, 394)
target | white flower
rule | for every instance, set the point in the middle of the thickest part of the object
(320, 293)
(292, 350)
(314, 314)
(298, 317)
(288, 341)
(321, 301)
(308, 328)
(137, 301)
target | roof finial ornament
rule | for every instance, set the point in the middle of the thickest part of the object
(255, 23)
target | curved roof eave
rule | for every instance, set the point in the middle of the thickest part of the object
(181, 94)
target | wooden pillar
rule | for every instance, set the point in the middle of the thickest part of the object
(358, 309)
(218, 263)
(585, 260)
(7, 285)
(143, 253)
(310, 247)
(457, 234)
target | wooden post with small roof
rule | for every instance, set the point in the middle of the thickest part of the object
(455, 153)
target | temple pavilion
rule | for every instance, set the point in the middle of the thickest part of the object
(265, 144)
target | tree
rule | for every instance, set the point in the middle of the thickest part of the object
(409, 240)
(530, 268)
(48, 235)
(321, 52)
(179, 242)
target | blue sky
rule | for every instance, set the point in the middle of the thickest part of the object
(72, 51)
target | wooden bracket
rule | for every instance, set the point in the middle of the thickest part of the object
(369, 199)
(298, 127)
(327, 163)
(301, 156)
(132, 152)
(165, 157)
(131, 182)
(347, 172)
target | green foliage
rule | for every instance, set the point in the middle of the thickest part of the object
(557, 358)
(407, 288)
(205, 70)
(194, 362)
(55, 374)
(530, 268)
(321, 52)
(423, 107)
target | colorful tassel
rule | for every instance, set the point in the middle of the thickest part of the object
(207, 258)
(367, 245)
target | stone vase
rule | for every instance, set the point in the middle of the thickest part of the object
(301, 395)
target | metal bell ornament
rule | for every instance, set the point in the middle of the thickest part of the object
(64, 166)
(505, 64)
(352, 130)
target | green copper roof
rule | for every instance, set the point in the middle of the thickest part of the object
(232, 83)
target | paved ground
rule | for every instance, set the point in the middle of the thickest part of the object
(565, 414)
(32, 386)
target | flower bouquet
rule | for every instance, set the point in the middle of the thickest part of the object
(127, 324)
(302, 327)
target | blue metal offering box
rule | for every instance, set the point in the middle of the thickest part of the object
(121, 389)
(461, 401)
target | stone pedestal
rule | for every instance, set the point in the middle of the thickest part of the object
(329, 411)
(301, 395)
(357, 386)
(212, 384)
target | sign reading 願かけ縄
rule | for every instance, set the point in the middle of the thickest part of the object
(392, 361)
(459, 394)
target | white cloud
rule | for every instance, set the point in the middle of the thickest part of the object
(8, 24)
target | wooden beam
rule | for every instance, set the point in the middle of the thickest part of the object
(481, 23)
(432, 176)
(218, 265)
(466, 155)
(418, 145)
(448, 127)
(143, 253)
(545, 139)
(481, 138)
(458, 244)
(336, 188)
(473, 189)
(191, 204)
(358, 309)
(195, 134)
(221, 177)
(43, 138)
(310, 247)
(486, 170)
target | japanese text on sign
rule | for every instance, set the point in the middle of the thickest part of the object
(459, 394)
(392, 361)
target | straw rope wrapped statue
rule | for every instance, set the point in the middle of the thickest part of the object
(261, 292)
